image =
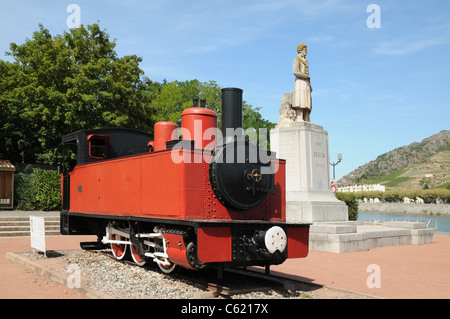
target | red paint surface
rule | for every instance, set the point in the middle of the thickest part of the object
(176, 249)
(214, 244)
(298, 239)
(154, 185)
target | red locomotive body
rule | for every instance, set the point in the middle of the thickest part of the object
(181, 202)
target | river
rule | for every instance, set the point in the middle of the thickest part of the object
(441, 222)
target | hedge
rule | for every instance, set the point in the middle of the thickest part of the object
(40, 190)
(350, 200)
(429, 196)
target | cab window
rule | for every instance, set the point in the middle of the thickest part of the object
(97, 146)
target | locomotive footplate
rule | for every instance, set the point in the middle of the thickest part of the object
(251, 242)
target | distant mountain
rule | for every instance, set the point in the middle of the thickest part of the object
(418, 165)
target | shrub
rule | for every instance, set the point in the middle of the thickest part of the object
(350, 200)
(396, 196)
(369, 194)
(39, 190)
(24, 192)
(48, 186)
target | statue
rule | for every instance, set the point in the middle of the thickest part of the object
(296, 107)
(304, 146)
(301, 98)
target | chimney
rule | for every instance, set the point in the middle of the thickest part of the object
(232, 115)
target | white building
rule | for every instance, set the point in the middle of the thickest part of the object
(362, 188)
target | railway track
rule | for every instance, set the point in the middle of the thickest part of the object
(233, 282)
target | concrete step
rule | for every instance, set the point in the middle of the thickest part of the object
(20, 226)
(26, 218)
(27, 233)
(14, 223)
(27, 228)
(339, 237)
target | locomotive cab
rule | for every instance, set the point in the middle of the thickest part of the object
(90, 146)
(107, 143)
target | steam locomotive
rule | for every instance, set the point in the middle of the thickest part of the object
(189, 201)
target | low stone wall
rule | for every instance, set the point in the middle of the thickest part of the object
(401, 208)
(341, 237)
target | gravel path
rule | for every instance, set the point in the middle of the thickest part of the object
(123, 280)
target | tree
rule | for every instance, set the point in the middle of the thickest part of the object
(174, 97)
(64, 83)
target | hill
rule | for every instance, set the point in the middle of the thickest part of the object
(417, 165)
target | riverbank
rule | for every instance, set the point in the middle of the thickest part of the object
(402, 208)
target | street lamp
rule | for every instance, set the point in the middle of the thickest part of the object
(339, 157)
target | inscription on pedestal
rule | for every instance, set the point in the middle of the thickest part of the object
(319, 154)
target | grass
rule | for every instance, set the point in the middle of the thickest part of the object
(396, 181)
(388, 178)
(444, 186)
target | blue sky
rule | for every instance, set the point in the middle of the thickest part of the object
(374, 89)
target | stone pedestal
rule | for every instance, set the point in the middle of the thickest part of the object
(309, 199)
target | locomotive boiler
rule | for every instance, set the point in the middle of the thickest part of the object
(205, 199)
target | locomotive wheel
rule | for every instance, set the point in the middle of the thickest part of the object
(167, 269)
(159, 248)
(119, 250)
(134, 254)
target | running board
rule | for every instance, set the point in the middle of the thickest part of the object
(92, 245)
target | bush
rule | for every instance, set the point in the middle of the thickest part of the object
(24, 192)
(48, 185)
(396, 196)
(39, 190)
(393, 196)
(369, 194)
(350, 200)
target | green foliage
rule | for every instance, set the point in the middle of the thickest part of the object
(48, 187)
(64, 83)
(24, 192)
(444, 186)
(374, 177)
(350, 200)
(39, 190)
(393, 196)
(172, 98)
(396, 196)
(398, 180)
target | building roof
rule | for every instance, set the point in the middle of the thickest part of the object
(6, 165)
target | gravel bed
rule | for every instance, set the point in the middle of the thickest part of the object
(124, 280)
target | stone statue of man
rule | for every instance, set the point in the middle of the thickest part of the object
(301, 98)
